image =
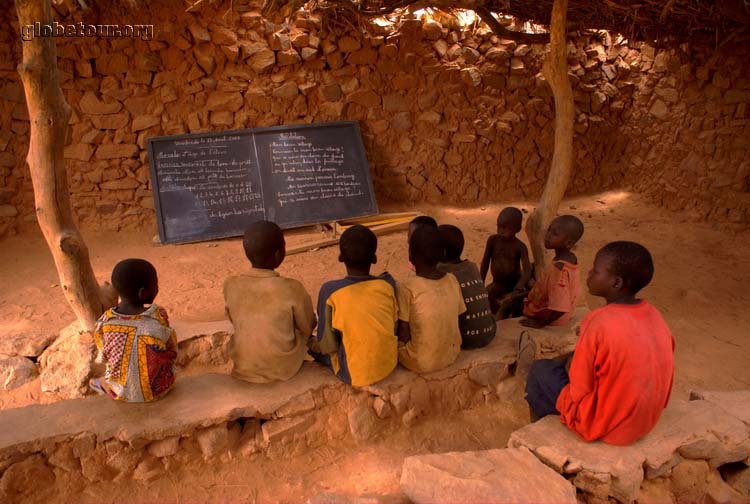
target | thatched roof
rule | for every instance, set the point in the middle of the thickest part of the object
(645, 20)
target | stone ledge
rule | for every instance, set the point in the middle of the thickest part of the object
(694, 430)
(551, 341)
(507, 475)
(215, 417)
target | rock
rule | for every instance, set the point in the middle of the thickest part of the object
(738, 477)
(223, 36)
(112, 64)
(288, 57)
(433, 30)
(331, 92)
(659, 110)
(111, 121)
(116, 151)
(79, 151)
(297, 406)
(395, 103)
(598, 99)
(510, 475)
(308, 53)
(490, 374)
(263, 60)
(381, 407)
(120, 184)
(329, 498)
(276, 430)
(26, 478)
(348, 44)
(401, 121)
(90, 104)
(148, 469)
(164, 447)
(363, 423)
(287, 90)
(689, 480)
(365, 97)
(497, 54)
(144, 122)
(719, 492)
(655, 491)
(736, 96)
(430, 117)
(26, 343)
(16, 371)
(66, 364)
(212, 441)
(471, 77)
(199, 33)
(8, 211)
(223, 100)
(281, 42)
(441, 47)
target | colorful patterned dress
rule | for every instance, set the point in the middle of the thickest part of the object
(139, 351)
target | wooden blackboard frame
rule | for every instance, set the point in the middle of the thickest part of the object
(357, 153)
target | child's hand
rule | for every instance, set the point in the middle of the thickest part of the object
(535, 324)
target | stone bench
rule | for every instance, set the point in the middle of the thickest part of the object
(682, 459)
(215, 417)
(551, 341)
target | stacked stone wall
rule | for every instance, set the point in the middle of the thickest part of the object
(449, 114)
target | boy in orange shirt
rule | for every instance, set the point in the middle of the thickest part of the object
(553, 298)
(620, 377)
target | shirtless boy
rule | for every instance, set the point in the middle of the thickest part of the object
(508, 259)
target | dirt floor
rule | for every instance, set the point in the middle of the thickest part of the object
(699, 285)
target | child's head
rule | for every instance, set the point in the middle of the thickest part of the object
(509, 222)
(453, 241)
(426, 247)
(563, 232)
(621, 269)
(358, 246)
(418, 222)
(135, 281)
(264, 245)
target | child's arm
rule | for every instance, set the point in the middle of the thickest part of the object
(404, 333)
(525, 269)
(488, 249)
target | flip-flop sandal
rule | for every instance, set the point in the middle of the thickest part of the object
(525, 353)
(96, 386)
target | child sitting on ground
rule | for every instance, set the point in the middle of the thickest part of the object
(477, 324)
(621, 373)
(428, 308)
(134, 340)
(416, 223)
(357, 315)
(508, 259)
(272, 315)
(553, 298)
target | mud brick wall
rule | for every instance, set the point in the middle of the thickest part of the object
(449, 114)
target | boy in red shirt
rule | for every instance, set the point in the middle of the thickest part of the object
(553, 298)
(620, 377)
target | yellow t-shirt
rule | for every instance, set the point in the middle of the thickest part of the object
(273, 318)
(431, 307)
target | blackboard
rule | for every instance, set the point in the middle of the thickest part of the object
(212, 185)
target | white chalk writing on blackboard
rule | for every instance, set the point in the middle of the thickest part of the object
(307, 172)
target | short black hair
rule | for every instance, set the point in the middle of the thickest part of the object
(513, 214)
(453, 241)
(261, 241)
(632, 262)
(423, 220)
(426, 246)
(358, 245)
(131, 275)
(572, 225)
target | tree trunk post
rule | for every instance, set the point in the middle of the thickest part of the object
(555, 70)
(49, 114)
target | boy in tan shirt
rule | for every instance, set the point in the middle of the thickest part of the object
(428, 308)
(273, 316)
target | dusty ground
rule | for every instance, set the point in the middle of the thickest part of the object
(699, 285)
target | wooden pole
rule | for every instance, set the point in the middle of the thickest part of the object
(49, 114)
(555, 70)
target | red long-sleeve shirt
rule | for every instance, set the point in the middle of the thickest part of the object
(621, 374)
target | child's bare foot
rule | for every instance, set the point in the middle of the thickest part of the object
(526, 352)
